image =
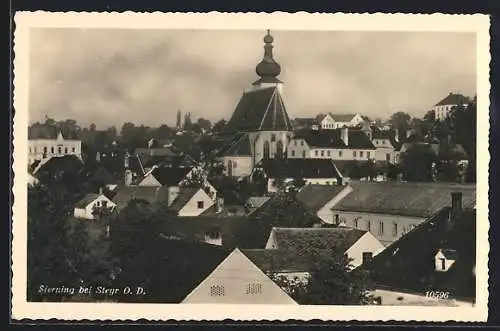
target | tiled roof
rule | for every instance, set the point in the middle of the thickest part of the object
(100, 174)
(314, 197)
(58, 163)
(257, 202)
(402, 198)
(44, 131)
(170, 176)
(305, 122)
(157, 151)
(185, 194)
(236, 231)
(238, 146)
(299, 168)
(342, 117)
(357, 139)
(408, 264)
(302, 240)
(277, 260)
(86, 200)
(125, 194)
(182, 265)
(258, 110)
(453, 99)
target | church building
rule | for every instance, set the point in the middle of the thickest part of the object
(259, 127)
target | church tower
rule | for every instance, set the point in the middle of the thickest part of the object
(260, 126)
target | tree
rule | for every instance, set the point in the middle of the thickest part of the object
(188, 125)
(178, 120)
(416, 163)
(218, 126)
(204, 124)
(400, 121)
(464, 121)
(162, 132)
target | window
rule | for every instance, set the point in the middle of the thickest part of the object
(234, 164)
(273, 137)
(30, 149)
(387, 157)
(98, 203)
(367, 155)
(266, 149)
(322, 153)
(295, 142)
(361, 154)
(52, 149)
(302, 143)
(367, 257)
(44, 150)
(327, 183)
(354, 153)
(381, 228)
(303, 154)
(328, 153)
(216, 290)
(73, 149)
(279, 149)
(65, 150)
(59, 150)
(337, 219)
(443, 263)
(104, 204)
(356, 223)
(254, 288)
(395, 229)
(201, 204)
(316, 153)
(369, 226)
(292, 153)
(340, 153)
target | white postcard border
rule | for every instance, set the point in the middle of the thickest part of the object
(24, 21)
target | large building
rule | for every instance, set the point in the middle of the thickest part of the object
(259, 127)
(46, 141)
(443, 108)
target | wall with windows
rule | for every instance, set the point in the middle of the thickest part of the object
(39, 149)
(341, 154)
(87, 212)
(317, 181)
(237, 166)
(298, 149)
(238, 280)
(386, 228)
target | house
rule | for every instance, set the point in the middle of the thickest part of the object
(319, 199)
(58, 165)
(359, 245)
(99, 177)
(237, 280)
(439, 254)
(150, 194)
(190, 201)
(133, 169)
(46, 141)
(164, 176)
(386, 142)
(254, 203)
(443, 108)
(86, 207)
(337, 121)
(391, 209)
(336, 144)
(305, 123)
(312, 171)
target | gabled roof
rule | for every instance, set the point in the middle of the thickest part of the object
(238, 146)
(277, 260)
(259, 110)
(155, 151)
(236, 231)
(125, 194)
(256, 202)
(172, 269)
(58, 163)
(102, 175)
(185, 194)
(45, 131)
(302, 240)
(403, 198)
(408, 263)
(453, 99)
(86, 200)
(170, 176)
(305, 122)
(357, 139)
(315, 197)
(299, 168)
(135, 165)
(342, 117)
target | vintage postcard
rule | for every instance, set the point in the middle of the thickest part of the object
(173, 166)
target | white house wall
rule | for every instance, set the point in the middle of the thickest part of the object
(191, 207)
(53, 147)
(325, 213)
(367, 243)
(388, 235)
(243, 165)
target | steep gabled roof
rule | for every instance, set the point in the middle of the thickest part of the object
(357, 139)
(402, 198)
(302, 240)
(238, 146)
(453, 99)
(45, 131)
(185, 194)
(259, 110)
(170, 176)
(315, 197)
(408, 263)
(277, 260)
(125, 194)
(342, 117)
(135, 165)
(299, 168)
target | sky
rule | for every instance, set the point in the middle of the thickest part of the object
(112, 76)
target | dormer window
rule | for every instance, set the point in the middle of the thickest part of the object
(213, 237)
(444, 259)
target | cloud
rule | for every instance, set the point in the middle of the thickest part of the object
(144, 76)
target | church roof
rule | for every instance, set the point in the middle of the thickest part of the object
(260, 110)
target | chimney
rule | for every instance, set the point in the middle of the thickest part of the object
(128, 177)
(456, 206)
(219, 204)
(126, 161)
(172, 194)
(396, 135)
(100, 190)
(98, 156)
(344, 135)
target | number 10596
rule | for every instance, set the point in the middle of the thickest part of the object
(437, 295)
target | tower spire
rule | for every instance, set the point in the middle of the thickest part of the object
(268, 69)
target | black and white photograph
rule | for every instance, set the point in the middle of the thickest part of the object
(252, 165)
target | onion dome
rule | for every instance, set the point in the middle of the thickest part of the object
(268, 69)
